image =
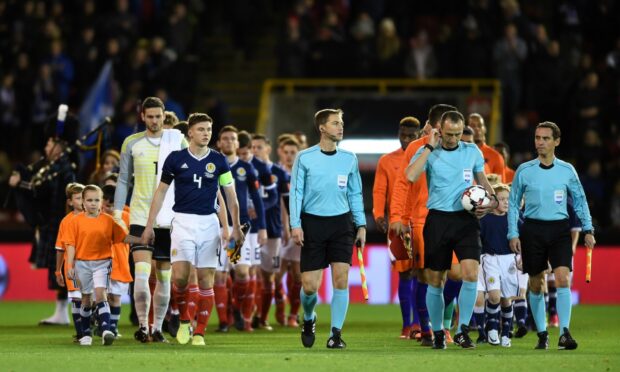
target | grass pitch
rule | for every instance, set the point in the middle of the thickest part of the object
(371, 333)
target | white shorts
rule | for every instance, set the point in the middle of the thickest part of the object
(270, 255)
(195, 239)
(223, 263)
(74, 294)
(499, 272)
(290, 251)
(118, 288)
(93, 274)
(523, 280)
(255, 249)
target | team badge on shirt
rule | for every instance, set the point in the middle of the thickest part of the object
(342, 182)
(241, 173)
(558, 196)
(173, 252)
(491, 280)
(210, 169)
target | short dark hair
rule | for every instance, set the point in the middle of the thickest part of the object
(198, 117)
(409, 122)
(321, 117)
(289, 141)
(108, 193)
(245, 139)
(436, 112)
(557, 133)
(182, 126)
(502, 145)
(152, 102)
(453, 116)
(73, 188)
(111, 177)
(468, 131)
(227, 128)
(262, 137)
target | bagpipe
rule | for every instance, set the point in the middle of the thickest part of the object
(44, 170)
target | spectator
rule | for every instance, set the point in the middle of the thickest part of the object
(508, 55)
(388, 49)
(363, 33)
(62, 70)
(292, 51)
(420, 62)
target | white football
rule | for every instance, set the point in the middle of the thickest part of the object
(474, 197)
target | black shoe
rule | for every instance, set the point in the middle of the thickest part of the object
(567, 342)
(521, 331)
(173, 324)
(158, 336)
(463, 340)
(164, 326)
(307, 332)
(482, 339)
(335, 341)
(426, 339)
(142, 335)
(255, 322)
(238, 320)
(543, 341)
(222, 328)
(440, 340)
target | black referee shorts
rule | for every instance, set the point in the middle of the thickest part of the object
(445, 232)
(161, 247)
(326, 240)
(545, 241)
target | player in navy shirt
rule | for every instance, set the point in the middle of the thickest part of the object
(198, 173)
(270, 252)
(498, 274)
(247, 184)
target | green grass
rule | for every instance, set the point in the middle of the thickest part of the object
(370, 332)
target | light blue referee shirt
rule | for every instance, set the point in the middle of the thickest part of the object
(449, 173)
(326, 184)
(546, 192)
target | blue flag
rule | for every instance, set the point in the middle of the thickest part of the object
(100, 101)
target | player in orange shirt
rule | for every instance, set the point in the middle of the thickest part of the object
(408, 208)
(493, 160)
(74, 202)
(504, 150)
(89, 240)
(400, 252)
(121, 275)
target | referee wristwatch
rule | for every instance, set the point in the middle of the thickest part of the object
(430, 147)
(591, 232)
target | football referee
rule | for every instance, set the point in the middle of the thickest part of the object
(326, 218)
(451, 166)
(545, 183)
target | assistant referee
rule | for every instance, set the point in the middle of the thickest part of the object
(326, 218)
(545, 236)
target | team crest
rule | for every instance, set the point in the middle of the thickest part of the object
(173, 252)
(210, 167)
(491, 280)
(241, 172)
(274, 178)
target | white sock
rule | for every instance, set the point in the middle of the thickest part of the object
(142, 293)
(161, 297)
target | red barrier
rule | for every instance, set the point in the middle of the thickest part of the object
(18, 281)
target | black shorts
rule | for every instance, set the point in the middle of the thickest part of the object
(161, 248)
(326, 240)
(445, 232)
(544, 242)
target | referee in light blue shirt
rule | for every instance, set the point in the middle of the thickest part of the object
(327, 218)
(545, 183)
(451, 166)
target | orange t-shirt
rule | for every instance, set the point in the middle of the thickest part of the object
(62, 232)
(493, 161)
(120, 262)
(385, 176)
(409, 199)
(92, 237)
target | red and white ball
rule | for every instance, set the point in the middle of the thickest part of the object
(474, 197)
